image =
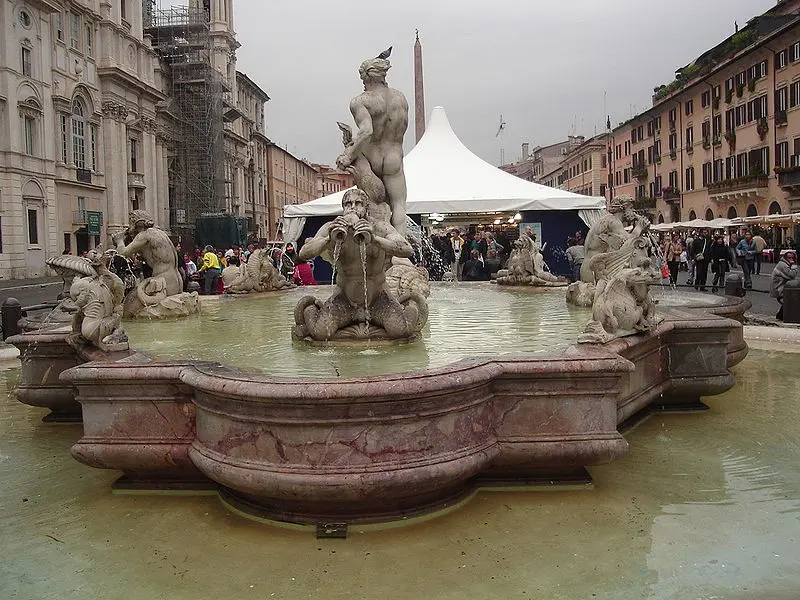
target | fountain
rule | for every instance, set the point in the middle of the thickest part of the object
(331, 449)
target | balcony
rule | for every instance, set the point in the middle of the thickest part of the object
(639, 171)
(644, 203)
(706, 142)
(79, 217)
(728, 190)
(781, 119)
(83, 175)
(136, 180)
(673, 153)
(789, 180)
(671, 193)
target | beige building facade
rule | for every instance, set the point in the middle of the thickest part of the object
(331, 180)
(584, 169)
(290, 180)
(80, 139)
(723, 140)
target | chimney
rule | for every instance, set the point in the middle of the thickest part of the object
(526, 151)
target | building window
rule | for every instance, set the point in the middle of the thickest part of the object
(705, 99)
(718, 172)
(706, 173)
(93, 146)
(689, 107)
(717, 126)
(26, 62)
(781, 59)
(759, 161)
(89, 39)
(64, 138)
(78, 134)
(25, 19)
(689, 137)
(781, 98)
(741, 164)
(29, 131)
(133, 156)
(730, 167)
(795, 55)
(74, 30)
(59, 20)
(782, 154)
(794, 94)
(68, 243)
(689, 178)
(33, 227)
(123, 12)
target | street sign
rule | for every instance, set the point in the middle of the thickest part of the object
(94, 219)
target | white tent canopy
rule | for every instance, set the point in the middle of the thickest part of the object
(443, 176)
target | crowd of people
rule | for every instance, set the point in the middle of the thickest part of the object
(478, 256)
(700, 252)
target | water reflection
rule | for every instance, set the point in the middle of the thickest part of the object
(703, 506)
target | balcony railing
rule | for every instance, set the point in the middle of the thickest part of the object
(671, 193)
(639, 171)
(788, 175)
(780, 118)
(79, 217)
(739, 183)
(644, 203)
(83, 175)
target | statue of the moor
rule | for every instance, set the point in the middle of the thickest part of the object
(161, 294)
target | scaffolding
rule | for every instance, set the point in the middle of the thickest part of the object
(180, 35)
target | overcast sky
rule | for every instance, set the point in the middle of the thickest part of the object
(544, 65)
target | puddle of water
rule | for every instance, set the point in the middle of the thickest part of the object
(704, 505)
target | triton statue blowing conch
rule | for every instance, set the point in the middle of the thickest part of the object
(369, 239)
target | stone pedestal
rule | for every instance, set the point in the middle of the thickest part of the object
(44, 355)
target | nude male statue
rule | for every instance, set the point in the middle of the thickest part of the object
(352, 232)
(381, 115)
(154, 246)
(609, 234)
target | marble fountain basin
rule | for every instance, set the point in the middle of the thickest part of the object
(495, 403)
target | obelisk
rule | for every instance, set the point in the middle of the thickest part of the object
(419, 90)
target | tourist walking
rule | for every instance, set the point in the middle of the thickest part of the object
(720, 262)
(785, 270)
(746, 252)
(672, 254)
(760, 243)
(211, 269)
(701, 254)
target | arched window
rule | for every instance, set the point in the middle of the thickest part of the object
(732, 212)
(709, 215)
(79, 133)
(692, 215)
(774, 208)
(752, 211)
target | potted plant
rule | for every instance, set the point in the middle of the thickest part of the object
(762, 128)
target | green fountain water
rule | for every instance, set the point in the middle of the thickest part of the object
(466, 320)
(705, 505)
